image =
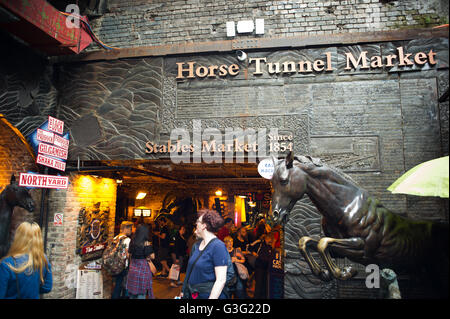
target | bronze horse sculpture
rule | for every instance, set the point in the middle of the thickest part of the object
(13, 195)
(355, 224)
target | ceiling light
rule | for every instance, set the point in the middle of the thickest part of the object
(141, 195)
(218, 192)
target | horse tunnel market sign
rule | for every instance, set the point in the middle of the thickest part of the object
(190, 70)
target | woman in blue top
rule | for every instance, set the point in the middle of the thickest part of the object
(25, 271)
(210, 256)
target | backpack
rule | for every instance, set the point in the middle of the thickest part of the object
(231, 275)
(114, 258)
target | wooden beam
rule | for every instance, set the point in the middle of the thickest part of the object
(257, 44)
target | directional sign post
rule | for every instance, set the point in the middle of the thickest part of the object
(45, 136)
(43, 181)
(61, 142)
(52, 151)
(55, 125)
(51, 162)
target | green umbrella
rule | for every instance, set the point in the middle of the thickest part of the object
(426, 179)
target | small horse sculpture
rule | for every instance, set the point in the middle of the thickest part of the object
(13, 195)
(357, 226)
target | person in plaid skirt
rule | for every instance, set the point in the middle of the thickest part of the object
(141, 269)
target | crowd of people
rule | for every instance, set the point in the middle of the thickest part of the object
(218, 259)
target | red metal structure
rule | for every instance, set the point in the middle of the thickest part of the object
(43, 27)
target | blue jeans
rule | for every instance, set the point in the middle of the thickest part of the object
(240, 292)
(142, 296)
(118, 291)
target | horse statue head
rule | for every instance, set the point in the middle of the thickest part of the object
(289, 184)
(15, 195)
(12, 195)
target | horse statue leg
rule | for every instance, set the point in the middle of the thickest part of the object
(323, 274)
(346, 247)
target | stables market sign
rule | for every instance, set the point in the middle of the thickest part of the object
(190, 70)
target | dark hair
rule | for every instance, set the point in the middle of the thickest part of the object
(141, 235)
(227, 220)
(260, 230)
(211, 219)
(162, 219)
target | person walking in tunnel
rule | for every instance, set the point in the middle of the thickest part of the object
(122, 237)
(179, 253)
(206, 274)
(163, 252)
(142, 269)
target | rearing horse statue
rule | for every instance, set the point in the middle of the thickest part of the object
(355, 224)
(13, 195)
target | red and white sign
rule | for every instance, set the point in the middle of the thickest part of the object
(51, 150)
(45, 136)
(93, 248)
(51, 162)
(58, 219)
(61, 142)
(55, 125)
(45, 181)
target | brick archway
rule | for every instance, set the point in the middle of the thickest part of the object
(16, 156)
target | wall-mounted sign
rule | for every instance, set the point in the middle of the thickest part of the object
(55, 125)
(44, 181)
(93, 248)
(265, 168)
(50, 162)
(144, 212)
(93, 231)
(45, 136)
(61, 142)
(51, 150)
(362, 61)
(58, 219)
(89, 284)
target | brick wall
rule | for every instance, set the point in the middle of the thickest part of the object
(16, 158)
(83, 191)
(135, 23)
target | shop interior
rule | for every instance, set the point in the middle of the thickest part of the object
(150, 189)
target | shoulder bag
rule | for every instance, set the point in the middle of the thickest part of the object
(186, 286)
